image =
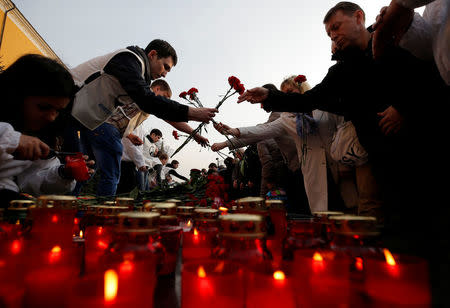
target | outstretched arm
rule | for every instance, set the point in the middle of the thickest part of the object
(186, 128)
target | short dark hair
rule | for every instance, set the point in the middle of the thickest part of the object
(348, 8)
(34, 75)
(212, 165)
(175, 162)
(164, 50)
(162, 84)
(156, 131)
(162, 155)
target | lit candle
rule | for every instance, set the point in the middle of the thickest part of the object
(211, 283)
(398, 280)
(268, 288)
(111, 285)
(322, 279)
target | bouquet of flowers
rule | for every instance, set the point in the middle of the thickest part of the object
(192, 98)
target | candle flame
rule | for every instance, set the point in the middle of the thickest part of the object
(99, 230)
(189, 223)
(279, 275)
(223, 209)
(317, 257)
(55, 218)
(15, 247)
(111, 285)
(18, 222)
(78, 133)
(56, 249)
(126, 266)
(389, 258)
(81, 234)
(195, 232)
(102, 244)
(201, 272)
(55, 254)
(359, 263)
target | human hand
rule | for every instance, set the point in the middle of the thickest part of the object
(143, 168)
(255, 95)
(78, 167)
(218, 146)
(201, 140)
(226, 130)
(155, 152)
(201, 114)
(135, 139)
(391, 121)
(31, 148)
(390, 26)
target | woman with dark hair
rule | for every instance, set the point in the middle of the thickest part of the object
(34, 90)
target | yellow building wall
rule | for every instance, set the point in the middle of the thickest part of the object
(15, 43)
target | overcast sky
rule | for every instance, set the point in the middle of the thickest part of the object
(258, 41)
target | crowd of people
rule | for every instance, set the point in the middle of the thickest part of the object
(361, 140)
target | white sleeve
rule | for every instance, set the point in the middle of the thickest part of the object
(412, 4)
(255, 134)
(133, 152)
(9, 138)
(42, 177)
(418, 40)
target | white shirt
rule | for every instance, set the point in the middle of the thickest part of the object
(33, 177)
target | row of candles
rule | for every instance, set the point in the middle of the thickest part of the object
(57, 252)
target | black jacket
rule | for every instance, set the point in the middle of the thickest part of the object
(127, 69)
(359, 87)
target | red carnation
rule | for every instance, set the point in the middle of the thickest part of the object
(183, 94)
(240, 88)
(175, 134)
(300, 79)
(233, 81)
(192, 91)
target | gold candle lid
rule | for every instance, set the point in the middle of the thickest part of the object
(327, 213)
(206, 214)
(185, 210)
(176, 201)
(251, 203)
(124, 201)
(20, 204)
(104, 210)
(275, 204)
(242, 225)
(138, 222)
(354, 225)
(57, 201)
(165, 208)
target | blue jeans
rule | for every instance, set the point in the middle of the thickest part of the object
(142, 180)
(105, 142)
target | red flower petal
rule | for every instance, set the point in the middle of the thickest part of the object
(300, 78)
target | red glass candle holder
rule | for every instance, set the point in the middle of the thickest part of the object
(303, 233)
(13, 257)
(78, 167)
(212, 283)
(267, 286)
(400, 281)
(171, 240)
(199, 243)
(97, 240)
(127, 284)
(242, 239)
(321, 279)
